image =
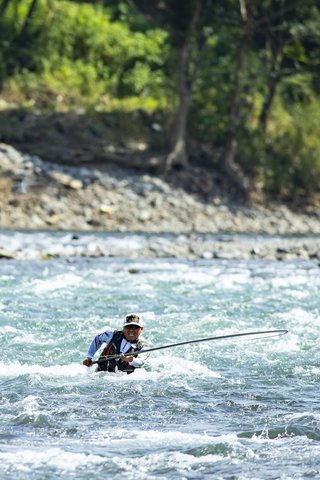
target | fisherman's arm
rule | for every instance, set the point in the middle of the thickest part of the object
(96, 343)
(136, 362)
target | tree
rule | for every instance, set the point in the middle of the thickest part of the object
(283, 39)
(292, 44)
(3, 7)
(190, 42)
(238, 102)
(16, 43)
(185, 23)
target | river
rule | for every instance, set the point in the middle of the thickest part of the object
(226, 409)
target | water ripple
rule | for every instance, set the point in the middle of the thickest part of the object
(223, 410)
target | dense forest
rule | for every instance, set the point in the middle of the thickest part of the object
(232, 86)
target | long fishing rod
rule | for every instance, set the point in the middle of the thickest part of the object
(268, 333)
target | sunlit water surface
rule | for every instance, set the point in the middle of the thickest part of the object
(227, 409)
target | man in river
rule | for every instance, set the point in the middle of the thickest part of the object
(119, 342)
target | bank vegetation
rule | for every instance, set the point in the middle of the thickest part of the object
(230, 87)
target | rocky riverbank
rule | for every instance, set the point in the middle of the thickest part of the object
(38, 195)
(47, 245)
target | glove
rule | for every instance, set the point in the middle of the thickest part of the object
(87, 362)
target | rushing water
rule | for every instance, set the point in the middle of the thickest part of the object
(227, 409)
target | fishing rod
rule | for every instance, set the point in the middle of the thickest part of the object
(269, 333)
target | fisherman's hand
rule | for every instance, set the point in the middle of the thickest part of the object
(126, 358)
(87, 362)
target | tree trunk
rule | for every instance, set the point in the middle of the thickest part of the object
(28, 17)
(274, 78)
(178, 154)
(185, 81)
(4, 6)
(236, 115)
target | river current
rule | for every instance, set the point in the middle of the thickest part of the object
(227, 409)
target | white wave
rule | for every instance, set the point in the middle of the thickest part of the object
(307, 370)
(301, 323)
(157, 438)
(29, 400)
(30, 404)
(179, 462)
(301, 315)
(233, 281)
(197, 277)
(2, 306)
(298, 294)
(55, 283)
(167, 365)
(263, 346)
(28, 339)
(157, 369)
(162, 367)
(27, 460)
(229, 449)
(171, 441)
(8, 329)
(303, 415)
(17, 369)
(290, 281)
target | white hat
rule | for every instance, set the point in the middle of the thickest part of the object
(133, 319)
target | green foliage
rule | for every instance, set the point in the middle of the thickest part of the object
(285, 160)
(212, 92)
(293, 167)
(20, 41)
(76, 53)
(122, 56)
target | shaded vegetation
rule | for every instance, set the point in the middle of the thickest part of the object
(232, 86)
